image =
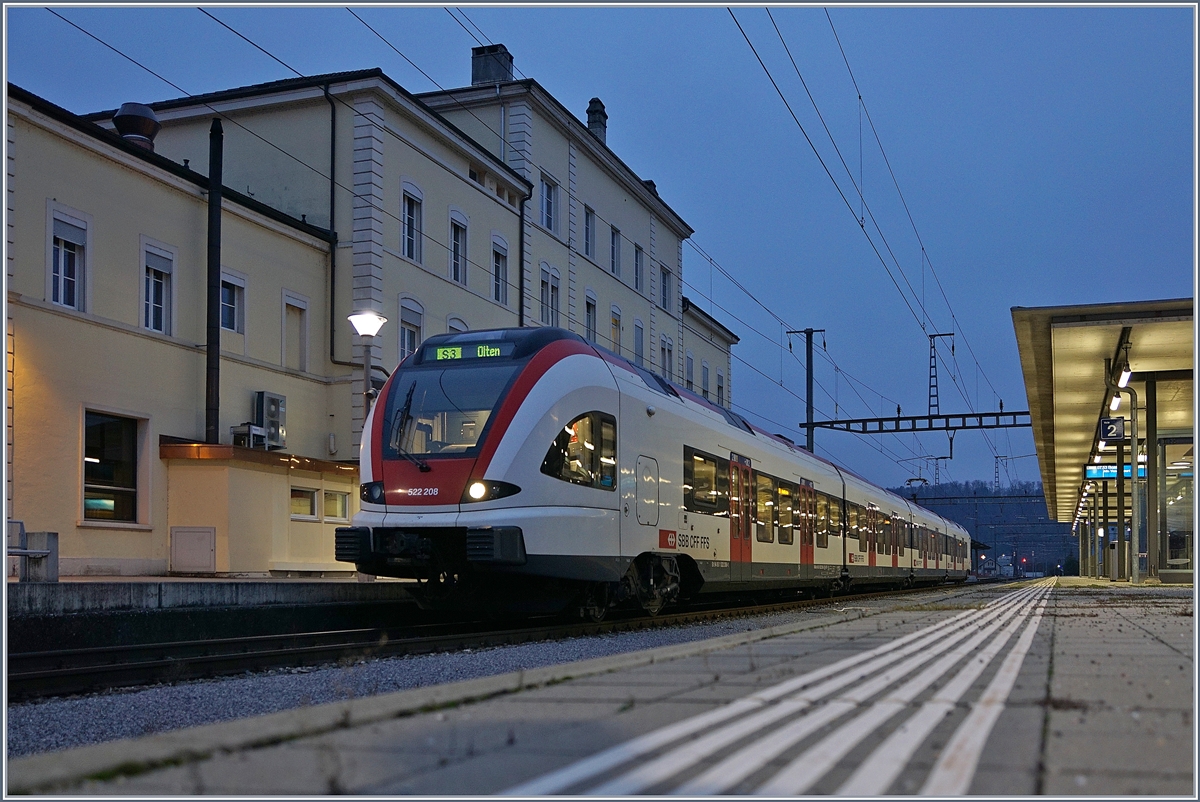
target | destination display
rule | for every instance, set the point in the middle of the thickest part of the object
(1110, 471)
(469, 351)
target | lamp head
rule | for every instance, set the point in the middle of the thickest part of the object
(367, 323)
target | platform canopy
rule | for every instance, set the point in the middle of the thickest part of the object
(1063, 351)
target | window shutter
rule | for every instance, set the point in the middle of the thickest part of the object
(71, 233)
(157, 262)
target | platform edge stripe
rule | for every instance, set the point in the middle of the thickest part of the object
(579, 771)
(755, 755)
(877, 773)
(955, 768)
(129, 756)
(674, 761)
(809, 767)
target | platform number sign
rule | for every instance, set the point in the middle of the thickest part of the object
(1112, 428)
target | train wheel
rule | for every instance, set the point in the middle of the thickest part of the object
(656, 579)
(595, 603)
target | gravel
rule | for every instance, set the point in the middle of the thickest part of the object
(61, 723)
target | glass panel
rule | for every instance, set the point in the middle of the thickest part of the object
(786, 530)
(335, 505)
(584, 452)
(823, 503)
(442, 411)
(704, 483)
(764, 524)
(304, 502)
(110, 468)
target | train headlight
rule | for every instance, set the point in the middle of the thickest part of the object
(488, 489)
(372, 492)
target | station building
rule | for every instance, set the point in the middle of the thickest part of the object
(342, 192)
(1076, 360)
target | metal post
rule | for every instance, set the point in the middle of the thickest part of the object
(367, 340)
(1121, 570)
(1151, 478)
(1135, 503)
(808, 386)
(1103, 567)
(212, 382)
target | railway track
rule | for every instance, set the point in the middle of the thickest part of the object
(33, 675)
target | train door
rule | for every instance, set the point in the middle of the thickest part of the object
(894, 541)
(805, 516)
(741, 507)
(872, 524)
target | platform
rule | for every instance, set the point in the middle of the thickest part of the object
(1067, 687)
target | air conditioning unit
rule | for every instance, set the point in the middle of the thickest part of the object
(270, 412)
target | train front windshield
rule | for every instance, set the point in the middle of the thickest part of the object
(442, 406)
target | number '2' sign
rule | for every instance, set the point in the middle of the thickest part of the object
(1112, 428)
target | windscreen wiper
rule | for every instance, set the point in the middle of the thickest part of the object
(399, 428)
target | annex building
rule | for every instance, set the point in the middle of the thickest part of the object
(341, 193)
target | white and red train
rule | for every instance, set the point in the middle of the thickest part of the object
(530, 469)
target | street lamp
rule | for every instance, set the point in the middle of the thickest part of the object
(367, 324)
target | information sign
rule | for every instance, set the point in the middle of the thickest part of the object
(1112, 428)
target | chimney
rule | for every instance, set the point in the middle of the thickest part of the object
(597, 119)
(491, 64)
(137, 124)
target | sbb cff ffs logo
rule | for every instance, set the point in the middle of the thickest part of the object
(666, 539)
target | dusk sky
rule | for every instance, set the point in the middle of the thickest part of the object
(1046, 157)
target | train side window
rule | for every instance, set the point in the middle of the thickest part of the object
(903, 539)
(585, 452)
(822, 521)
(884, 544)
(835, 517)
(789, 518)
(705, 483)
(764, 524)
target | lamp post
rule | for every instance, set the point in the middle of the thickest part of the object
(367, 324)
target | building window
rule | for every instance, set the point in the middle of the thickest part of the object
(458, 251)
(233, 303)
(67, 262)
(499, 272)
(295, 331)
(615, 243)
(550, 295)
(688, 371)
(639, 345)
(337, 505)
(639, 269)
(412, 314)
(665, 290)
(720, 388)
(615, 330)
(704, 379)
(666, 356)
(304, 503)
(110, 468)
(589, 233)
(156, 307)
(410, 239)
(589, 326)
(549, 204)
(456, 325)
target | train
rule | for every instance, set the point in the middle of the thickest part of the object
(530, 470)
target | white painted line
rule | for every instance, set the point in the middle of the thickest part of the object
(580, 771)
(756, 755)
(952, 774)
(877, 773)
(688, 754)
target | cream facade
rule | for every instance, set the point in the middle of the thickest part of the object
(707, 358)
(106, 305)
(428, 223)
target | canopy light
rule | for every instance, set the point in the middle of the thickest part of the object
(1125, 374)
(1096, 459)
(1103, 445)
(367, 324)
(1116, 402)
